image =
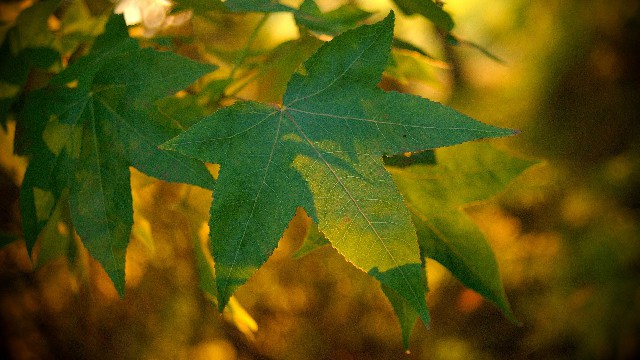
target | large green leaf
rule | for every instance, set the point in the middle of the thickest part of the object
(92, 122)
(322, 150)
(436, 195)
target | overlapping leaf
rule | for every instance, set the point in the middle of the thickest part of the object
(91, 123)
(322, 150)
(436, 195)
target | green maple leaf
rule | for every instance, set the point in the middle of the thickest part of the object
(322, 150)
(93, 121)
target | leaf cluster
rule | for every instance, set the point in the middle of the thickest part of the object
(325, 138)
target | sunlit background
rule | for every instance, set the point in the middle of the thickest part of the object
(565, 233)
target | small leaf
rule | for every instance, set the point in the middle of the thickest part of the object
(322, 150)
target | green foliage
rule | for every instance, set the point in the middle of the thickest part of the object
(27, 44)
(322, 150)
(97, 119)
(331, 147)
(436, 194)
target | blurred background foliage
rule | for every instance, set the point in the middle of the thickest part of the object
(565, 233)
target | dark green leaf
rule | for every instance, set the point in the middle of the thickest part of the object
(322, 150)
(281, 63)
(27, 44)
(99, 118)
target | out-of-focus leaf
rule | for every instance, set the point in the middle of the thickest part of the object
(406, 67)
(31, 29)
(436, 194)
(429, 10)
(99, 118)
(78, 25)
(322, 150)
(333, 22)
(281, 63)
